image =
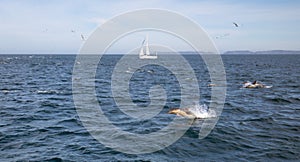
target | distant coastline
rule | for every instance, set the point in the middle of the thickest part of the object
(272, 52)
(248, 52)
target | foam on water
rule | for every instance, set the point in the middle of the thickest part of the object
(202, 111)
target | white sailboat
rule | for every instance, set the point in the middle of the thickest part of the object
(145, 51)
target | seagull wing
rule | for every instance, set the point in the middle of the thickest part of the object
(82, 37)
(235, 24)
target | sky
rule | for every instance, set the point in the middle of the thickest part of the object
(55, 27)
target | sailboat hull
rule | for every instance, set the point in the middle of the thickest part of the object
(147, 57)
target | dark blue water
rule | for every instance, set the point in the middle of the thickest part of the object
(38, 119)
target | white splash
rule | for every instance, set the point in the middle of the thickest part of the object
(202, 111)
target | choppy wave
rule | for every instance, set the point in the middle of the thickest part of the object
(39, 120)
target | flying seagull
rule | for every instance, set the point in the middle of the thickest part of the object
(82, 37)
(235, 24)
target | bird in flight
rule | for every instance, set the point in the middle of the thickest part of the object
(82, 37)
(235, 24)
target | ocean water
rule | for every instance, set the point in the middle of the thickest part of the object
(39, 122)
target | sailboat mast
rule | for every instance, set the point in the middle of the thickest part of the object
(142, 48)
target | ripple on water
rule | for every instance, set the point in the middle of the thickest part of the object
(39, 120)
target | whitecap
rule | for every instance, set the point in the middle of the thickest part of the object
(46, 91)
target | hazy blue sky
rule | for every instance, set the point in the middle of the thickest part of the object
(32, 26)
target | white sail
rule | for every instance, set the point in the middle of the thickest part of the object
(147, 47)
(142, 49)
